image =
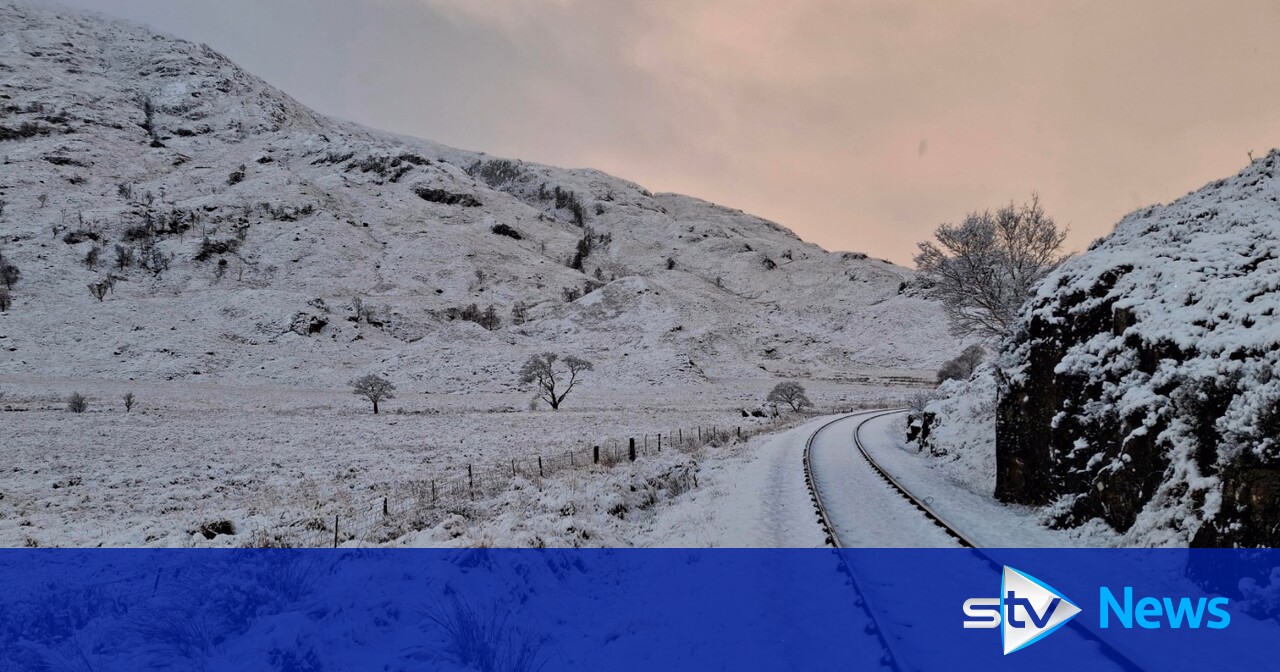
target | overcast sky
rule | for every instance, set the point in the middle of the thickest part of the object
(861, 125)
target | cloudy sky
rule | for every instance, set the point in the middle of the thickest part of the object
(861, 124)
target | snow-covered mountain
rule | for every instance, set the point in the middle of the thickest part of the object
(1141, 379)
(236, 230)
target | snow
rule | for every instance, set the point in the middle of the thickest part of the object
(948, 487)
(757, 499)
(241, 369)
(864, 510)
(322, 221)
(962, 436)
(1198, 280)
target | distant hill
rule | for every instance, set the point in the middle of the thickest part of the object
(240, 228)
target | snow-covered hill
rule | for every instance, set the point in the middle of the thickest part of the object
(240, 228)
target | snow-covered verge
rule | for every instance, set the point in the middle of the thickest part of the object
(1140, 382)
(952, 476)
(957, 427)
(723, 493)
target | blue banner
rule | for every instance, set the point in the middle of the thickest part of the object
(525, 610)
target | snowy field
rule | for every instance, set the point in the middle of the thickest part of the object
(278, 464)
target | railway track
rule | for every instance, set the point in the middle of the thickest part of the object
(894, 658)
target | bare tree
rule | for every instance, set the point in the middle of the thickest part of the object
(76, 403)
(373, 387)
(128, 401)
(99, 290)
(519, 312)
(554, 376)
(917, 402)
(984, 269)
(5, 301)
(790, 393)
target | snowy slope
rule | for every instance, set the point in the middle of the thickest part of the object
(254, 223)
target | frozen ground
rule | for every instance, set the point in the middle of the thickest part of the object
(285, 461)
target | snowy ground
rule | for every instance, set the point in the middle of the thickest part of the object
(759, 499)
(265, 459)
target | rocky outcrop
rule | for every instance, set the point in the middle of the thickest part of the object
(1139, 385)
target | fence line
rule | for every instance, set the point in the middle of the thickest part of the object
(454, 488)
(420, 502)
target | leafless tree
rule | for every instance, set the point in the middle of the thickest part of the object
(553, 375)
(128, 401)
(373, 387)
(984, 269)
(99, 290)
(790, 393)
(5, 301)
(519, 312)
(917, 402)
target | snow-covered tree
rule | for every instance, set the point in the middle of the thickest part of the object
(373, 387)
(554, 376)
(984, 269)
(790, 393)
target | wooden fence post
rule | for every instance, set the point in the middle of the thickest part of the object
(595, 454)
(384, 505)
(659, 443)
(433, 491)
(513, 467)
(571, 463)
(739, 433)
(631, 450)
(471, 478)
(335, 530)
(540, 472)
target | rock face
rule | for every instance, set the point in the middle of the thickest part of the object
(224, 207)
(1140, 385)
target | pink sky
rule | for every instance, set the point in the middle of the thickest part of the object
(859, 125)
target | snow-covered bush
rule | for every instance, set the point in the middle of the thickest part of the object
(957, 424)
(963, 365)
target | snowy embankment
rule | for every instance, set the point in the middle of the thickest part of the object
(955, 490)
(757, 498)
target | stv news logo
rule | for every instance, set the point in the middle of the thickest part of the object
(1026, 611)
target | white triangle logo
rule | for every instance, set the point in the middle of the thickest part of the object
(1030, 610)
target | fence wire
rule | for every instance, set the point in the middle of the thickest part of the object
(422, 502)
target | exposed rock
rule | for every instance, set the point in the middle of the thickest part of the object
(306, 324)
(1140, 384)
